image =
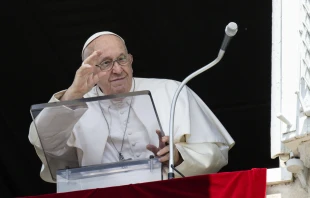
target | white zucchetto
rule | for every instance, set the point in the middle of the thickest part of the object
(96, 35)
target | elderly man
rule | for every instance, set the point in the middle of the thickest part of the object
(201, 142)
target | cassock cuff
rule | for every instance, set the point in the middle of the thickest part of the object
(56, 97)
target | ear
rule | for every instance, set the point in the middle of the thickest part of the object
(131, 61)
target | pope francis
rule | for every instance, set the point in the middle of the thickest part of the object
(201, 141)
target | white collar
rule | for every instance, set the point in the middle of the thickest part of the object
(118, 104)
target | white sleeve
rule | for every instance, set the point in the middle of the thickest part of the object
(201, 158)
(55, 127)
(200, 138)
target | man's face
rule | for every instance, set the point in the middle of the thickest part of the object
(119, 78)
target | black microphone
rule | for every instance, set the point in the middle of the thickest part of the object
(230, 31)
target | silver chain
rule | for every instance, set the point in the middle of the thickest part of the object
(120, 155)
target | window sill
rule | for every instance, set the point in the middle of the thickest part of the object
(278, 176)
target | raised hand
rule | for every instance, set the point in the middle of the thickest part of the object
(85, 78)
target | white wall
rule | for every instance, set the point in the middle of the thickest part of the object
(291, 73)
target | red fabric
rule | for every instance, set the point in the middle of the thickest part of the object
(238, 184)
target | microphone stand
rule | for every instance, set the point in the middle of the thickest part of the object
(231, 30)
(171, 144)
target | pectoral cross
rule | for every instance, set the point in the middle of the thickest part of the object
(121, 157)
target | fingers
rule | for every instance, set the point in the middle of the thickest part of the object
(88, 68)
(88, 65)
(165, 139)
(99, 75)
(159, 133)
(163, 151)
(164, 159)
(84, 75)
(164, 154)
(90, 81)
(160, 138)
(95, 79)
(152, 148)
(88, 72)
(93, 59)
(85, 69)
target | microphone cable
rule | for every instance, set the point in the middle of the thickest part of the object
(172, 166)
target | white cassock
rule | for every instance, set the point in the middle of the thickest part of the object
(199, 136)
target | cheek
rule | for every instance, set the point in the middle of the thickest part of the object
(128, 70)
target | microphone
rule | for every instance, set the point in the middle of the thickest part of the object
(230, 30)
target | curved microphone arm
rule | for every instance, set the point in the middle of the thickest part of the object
(172, 110)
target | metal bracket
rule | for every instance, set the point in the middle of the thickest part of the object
(281, 117)
(305, 108)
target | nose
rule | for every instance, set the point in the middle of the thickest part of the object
(116, 68)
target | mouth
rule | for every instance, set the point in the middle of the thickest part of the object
(118, 79)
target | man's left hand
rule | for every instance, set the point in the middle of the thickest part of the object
(163, 150)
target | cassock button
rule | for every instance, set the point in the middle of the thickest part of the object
(133, 144)
(129, 133)
(138, 155)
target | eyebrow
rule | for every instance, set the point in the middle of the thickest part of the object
(109, 58)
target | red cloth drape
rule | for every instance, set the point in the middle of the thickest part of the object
(238, 184)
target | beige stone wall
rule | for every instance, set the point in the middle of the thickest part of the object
(290, 190)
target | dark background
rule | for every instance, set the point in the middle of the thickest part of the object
(41, 47)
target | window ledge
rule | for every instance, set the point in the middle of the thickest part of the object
(274, 196)
(278, 176)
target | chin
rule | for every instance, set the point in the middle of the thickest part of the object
(118, 90)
